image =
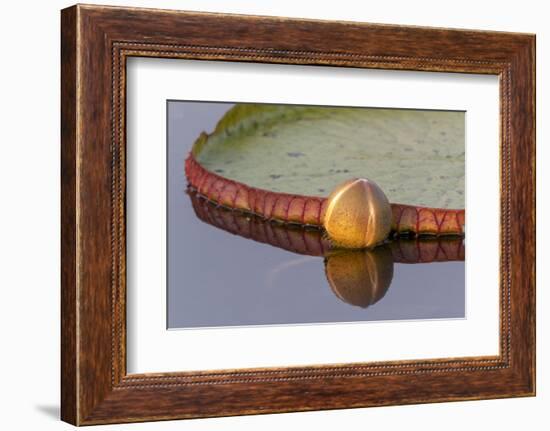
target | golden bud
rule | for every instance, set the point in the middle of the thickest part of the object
(360, 277)
(358, 214)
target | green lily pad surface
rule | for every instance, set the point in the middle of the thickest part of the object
(415, 156)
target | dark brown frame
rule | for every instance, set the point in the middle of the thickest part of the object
(95, 43)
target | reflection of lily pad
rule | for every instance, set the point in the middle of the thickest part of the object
(417, 157)
(313, 242)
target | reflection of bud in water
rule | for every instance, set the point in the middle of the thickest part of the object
(360, 277)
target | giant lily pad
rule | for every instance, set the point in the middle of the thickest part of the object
(415, 156)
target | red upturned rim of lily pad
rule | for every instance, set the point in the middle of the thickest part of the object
(309, 210)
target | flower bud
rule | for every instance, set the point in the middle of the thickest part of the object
(358, 214)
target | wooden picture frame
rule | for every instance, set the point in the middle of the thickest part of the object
(95, 43)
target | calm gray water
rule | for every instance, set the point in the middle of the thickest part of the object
(216, 278)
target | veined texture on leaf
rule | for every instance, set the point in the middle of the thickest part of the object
(415, 156)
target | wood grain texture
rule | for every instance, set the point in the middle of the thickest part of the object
(69, 397)
(96, 41)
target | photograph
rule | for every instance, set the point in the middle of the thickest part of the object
(284, 214)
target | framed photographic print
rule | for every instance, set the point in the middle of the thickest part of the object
(263, 215)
